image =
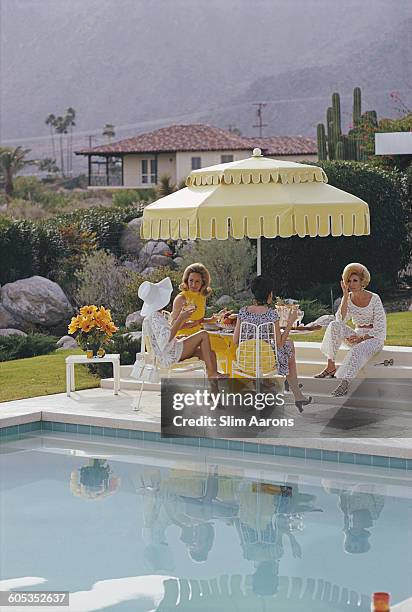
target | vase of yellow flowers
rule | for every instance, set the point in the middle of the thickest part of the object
(92, 326)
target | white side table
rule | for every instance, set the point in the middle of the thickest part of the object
(72, 359)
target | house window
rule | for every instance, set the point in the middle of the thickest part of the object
(225, 159)
(149, 171)
(196, 163)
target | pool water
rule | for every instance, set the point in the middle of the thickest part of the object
(158, 527)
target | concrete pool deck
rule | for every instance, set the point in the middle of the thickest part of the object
(100, 408)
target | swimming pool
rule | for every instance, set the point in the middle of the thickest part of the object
(132, 525)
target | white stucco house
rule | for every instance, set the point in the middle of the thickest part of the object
(175, 151)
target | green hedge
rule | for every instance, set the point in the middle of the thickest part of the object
(41, 247)
(298, 264)
(19, 347)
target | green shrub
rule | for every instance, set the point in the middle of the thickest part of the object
(47, 247)
(19, 242)
(29, 188)
(103, 281)
(298, 263)
(19, 347)
(230, 262)
(125, 197)
(313, 309)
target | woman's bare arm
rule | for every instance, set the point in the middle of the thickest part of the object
(178, 304)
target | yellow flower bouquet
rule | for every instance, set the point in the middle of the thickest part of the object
(93, 327)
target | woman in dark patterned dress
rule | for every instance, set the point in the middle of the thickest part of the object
(259, 313)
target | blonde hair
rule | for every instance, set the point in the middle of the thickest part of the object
(197, 268)
(359, 269)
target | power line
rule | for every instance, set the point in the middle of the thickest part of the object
(199, 114)
(259, 117)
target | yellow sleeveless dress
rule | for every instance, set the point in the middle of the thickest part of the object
(199, 300)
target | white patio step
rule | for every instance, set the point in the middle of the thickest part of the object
(310, 351)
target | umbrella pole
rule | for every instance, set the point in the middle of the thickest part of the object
(258, 257)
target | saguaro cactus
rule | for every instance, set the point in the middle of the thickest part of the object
(342, 146)
(357, 106)
(322, 151)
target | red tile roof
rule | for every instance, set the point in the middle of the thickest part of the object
(199, 137)
(175, 138)
(285, 145)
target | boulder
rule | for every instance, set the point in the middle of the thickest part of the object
(148, 271)
(178, 261)
(161, 261)
(67, 342)
(130, 241)
(223, 300)
(131, 265)
(134, 318)
(152, 247)
(12, 332)
(7, 321)
(244, 295)
(36, 300)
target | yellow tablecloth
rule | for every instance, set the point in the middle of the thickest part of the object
(224, 348)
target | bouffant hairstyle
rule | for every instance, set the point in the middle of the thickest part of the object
(359, 269)
(261, 287)
(197, 268)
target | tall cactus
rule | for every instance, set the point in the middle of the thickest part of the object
(342, 146)
(357, 106)
(322, 151)
(336, 115)
(331, 139)
(340, 151)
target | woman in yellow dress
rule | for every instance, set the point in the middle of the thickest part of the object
(194, 290)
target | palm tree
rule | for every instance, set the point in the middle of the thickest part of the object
(69, 118)
(109, 132)
(11, 162)
(63, 125)
(50, 121)
(60, 125)
(47, 164)
(165, 186)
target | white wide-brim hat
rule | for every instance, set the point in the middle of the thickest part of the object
(155, 295)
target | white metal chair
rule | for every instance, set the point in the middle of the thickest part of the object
(256, 353)
(152, 371)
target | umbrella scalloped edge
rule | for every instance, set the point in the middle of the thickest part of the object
(244, 177)
(337, 223)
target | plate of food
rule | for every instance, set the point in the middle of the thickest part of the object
(227, 321)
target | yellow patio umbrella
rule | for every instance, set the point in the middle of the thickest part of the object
(256, 197)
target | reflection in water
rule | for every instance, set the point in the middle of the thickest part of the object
(361, 506)
(94, 480)
(266, 518)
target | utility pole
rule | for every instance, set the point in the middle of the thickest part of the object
(90, 138)
(259, 119)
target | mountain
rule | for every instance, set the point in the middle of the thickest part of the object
(297, 99)
(143, 64)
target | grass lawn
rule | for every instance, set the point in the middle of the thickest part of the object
(399, 332)
(41, 375)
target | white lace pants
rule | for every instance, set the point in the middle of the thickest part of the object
(357, 356)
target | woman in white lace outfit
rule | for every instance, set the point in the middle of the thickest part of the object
(366, 311)
(167, 348)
